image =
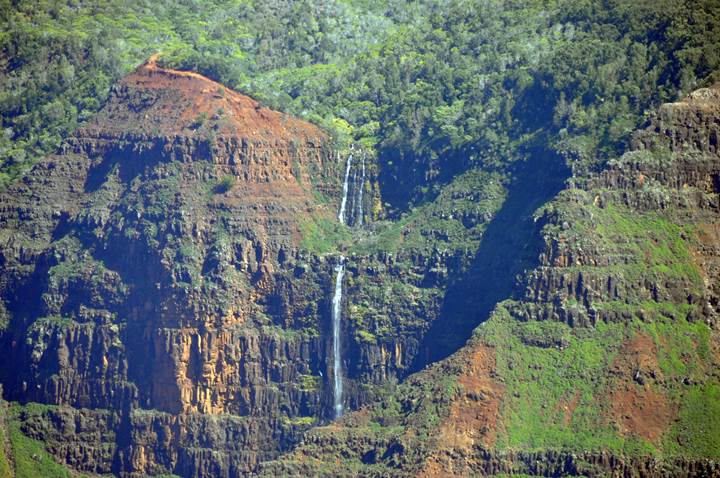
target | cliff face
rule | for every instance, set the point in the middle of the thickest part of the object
(604, 357)
(166, 282)
(153, 284)
(168, 269)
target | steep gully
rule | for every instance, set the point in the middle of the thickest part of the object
(511, 244)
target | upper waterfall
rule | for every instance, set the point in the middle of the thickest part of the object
(343, 204)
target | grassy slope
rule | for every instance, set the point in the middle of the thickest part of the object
(657, 248)
(30, 458)
(577, 362)
(538, 379)
(5, 465)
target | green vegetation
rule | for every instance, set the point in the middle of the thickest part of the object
(636, 247)
(5, 467)
(697, 431)
(453, 221)
(225, 184)
(31, 459)
(322, 235)
(683, 347)
(310, 383)
(450, 95)
(301, 421)
(557, 382)
(4, 317)
(656, 239)
(542, 380)
(61, 59)
(435, 85)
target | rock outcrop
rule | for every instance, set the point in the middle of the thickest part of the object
(155, 286)
(604, 359)
(165, 288)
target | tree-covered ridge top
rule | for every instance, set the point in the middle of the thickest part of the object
(432, 84)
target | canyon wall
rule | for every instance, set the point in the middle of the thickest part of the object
(166, 281)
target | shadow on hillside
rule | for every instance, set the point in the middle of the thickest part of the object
(511, 244)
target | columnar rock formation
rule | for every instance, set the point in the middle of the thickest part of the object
(167, 283)
(152, 272)
(604, 359)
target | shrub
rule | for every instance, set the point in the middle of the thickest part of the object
(225, 184)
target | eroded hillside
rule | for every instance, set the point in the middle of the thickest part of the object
(167, 277)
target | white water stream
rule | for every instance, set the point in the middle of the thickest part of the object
(337, 352)
(341, 214)
(359, 219)
(337, 306)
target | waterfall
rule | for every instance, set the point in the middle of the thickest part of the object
(337, 305)
(337, 360)
(359, 220)
(352, 206)
(341, 214)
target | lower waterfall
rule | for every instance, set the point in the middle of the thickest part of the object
(337, 353)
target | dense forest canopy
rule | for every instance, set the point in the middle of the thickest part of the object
(433, 86)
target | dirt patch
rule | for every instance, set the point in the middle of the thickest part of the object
(705, 252)
(243, 115)
(568, 406)
(638, 354)
(635, 405)
(474, 412)
(641, 412)
(169, 103)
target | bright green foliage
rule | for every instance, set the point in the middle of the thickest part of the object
(322, 235)
(310, 383)
(440, 89)
(683, 347)
(638, 246)
(697, 431)
(31, 459)
(433, 85)
(60, 59)
(547, 365)
(5, 469)
(544, 365)
(655, 239)
(453, 221)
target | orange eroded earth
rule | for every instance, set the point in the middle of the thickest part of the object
(637, 408)
(473, 414)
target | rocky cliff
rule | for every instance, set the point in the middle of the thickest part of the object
(171, 269)
(154, 286)
(166, 282)
(602, 359)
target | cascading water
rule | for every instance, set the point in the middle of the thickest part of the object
(337, 304)
(341, 214)
(360, 187)
(351, 219)
(337, 352)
